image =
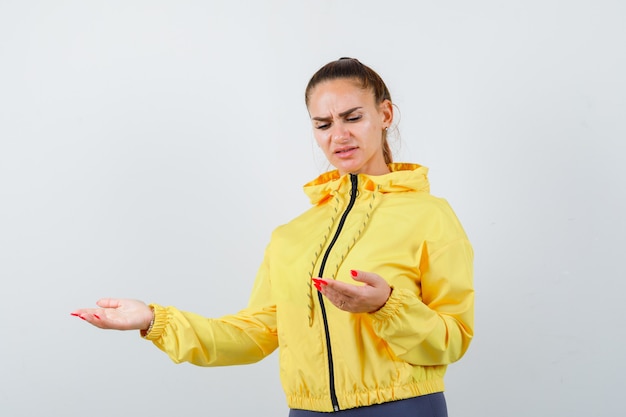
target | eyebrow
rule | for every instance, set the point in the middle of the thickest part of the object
(342, 114)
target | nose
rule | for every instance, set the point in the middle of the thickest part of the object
(339, 133)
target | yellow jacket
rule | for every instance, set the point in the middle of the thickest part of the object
(331, 359)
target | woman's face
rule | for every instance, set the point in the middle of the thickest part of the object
(348, 126)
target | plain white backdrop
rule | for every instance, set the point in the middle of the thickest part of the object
(148, 148)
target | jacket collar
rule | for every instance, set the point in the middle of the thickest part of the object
(403, 177)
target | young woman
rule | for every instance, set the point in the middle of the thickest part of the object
(368, 294)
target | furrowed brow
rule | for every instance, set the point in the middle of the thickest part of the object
(347, 112)
(342, 114)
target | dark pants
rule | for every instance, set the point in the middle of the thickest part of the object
(431, 405)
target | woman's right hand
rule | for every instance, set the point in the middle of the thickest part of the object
(118, 314)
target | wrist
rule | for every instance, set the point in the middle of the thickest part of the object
(144, 332)
(383, 304)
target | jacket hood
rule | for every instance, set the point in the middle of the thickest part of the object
(403, 177)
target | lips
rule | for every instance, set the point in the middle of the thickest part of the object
(345, 151)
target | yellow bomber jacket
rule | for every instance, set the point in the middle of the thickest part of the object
(330, 359)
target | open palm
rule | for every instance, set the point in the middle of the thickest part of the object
(118, 314)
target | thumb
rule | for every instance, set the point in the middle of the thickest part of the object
(368, 278)
(108, 303)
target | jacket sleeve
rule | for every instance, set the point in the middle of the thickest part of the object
(436, 327)
(245, 337)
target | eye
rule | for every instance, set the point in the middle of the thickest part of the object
(323, 126)
(354, 118)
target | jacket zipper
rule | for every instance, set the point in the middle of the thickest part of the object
(331, 370)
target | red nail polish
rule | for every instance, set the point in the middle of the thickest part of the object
(319, 281)
(353, 273)
(318, 287)
(74, 314)
(97, 316)
(82, 317)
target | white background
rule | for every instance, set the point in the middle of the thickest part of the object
(148, 148)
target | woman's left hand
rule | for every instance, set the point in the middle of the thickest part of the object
(356, 298)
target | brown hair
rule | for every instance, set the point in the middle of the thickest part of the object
(351, 68)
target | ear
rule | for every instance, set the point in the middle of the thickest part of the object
(386, 111)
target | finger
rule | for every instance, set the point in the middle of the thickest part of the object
(327, 286)
(108, 303)
(368, 278)
(318, 282)
(78, 313)
(81, 312)
(334, 289)
(90, 316)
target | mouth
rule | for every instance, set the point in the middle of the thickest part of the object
(345, 151)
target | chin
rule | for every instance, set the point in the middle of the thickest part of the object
(348, 169)
(347, 166)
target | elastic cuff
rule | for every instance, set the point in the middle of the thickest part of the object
(160, 320)
(390, 308)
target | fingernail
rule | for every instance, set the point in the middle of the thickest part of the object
(353, 273)
(97, 316)
(318, 287)
(82, 317)
(74, 314)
